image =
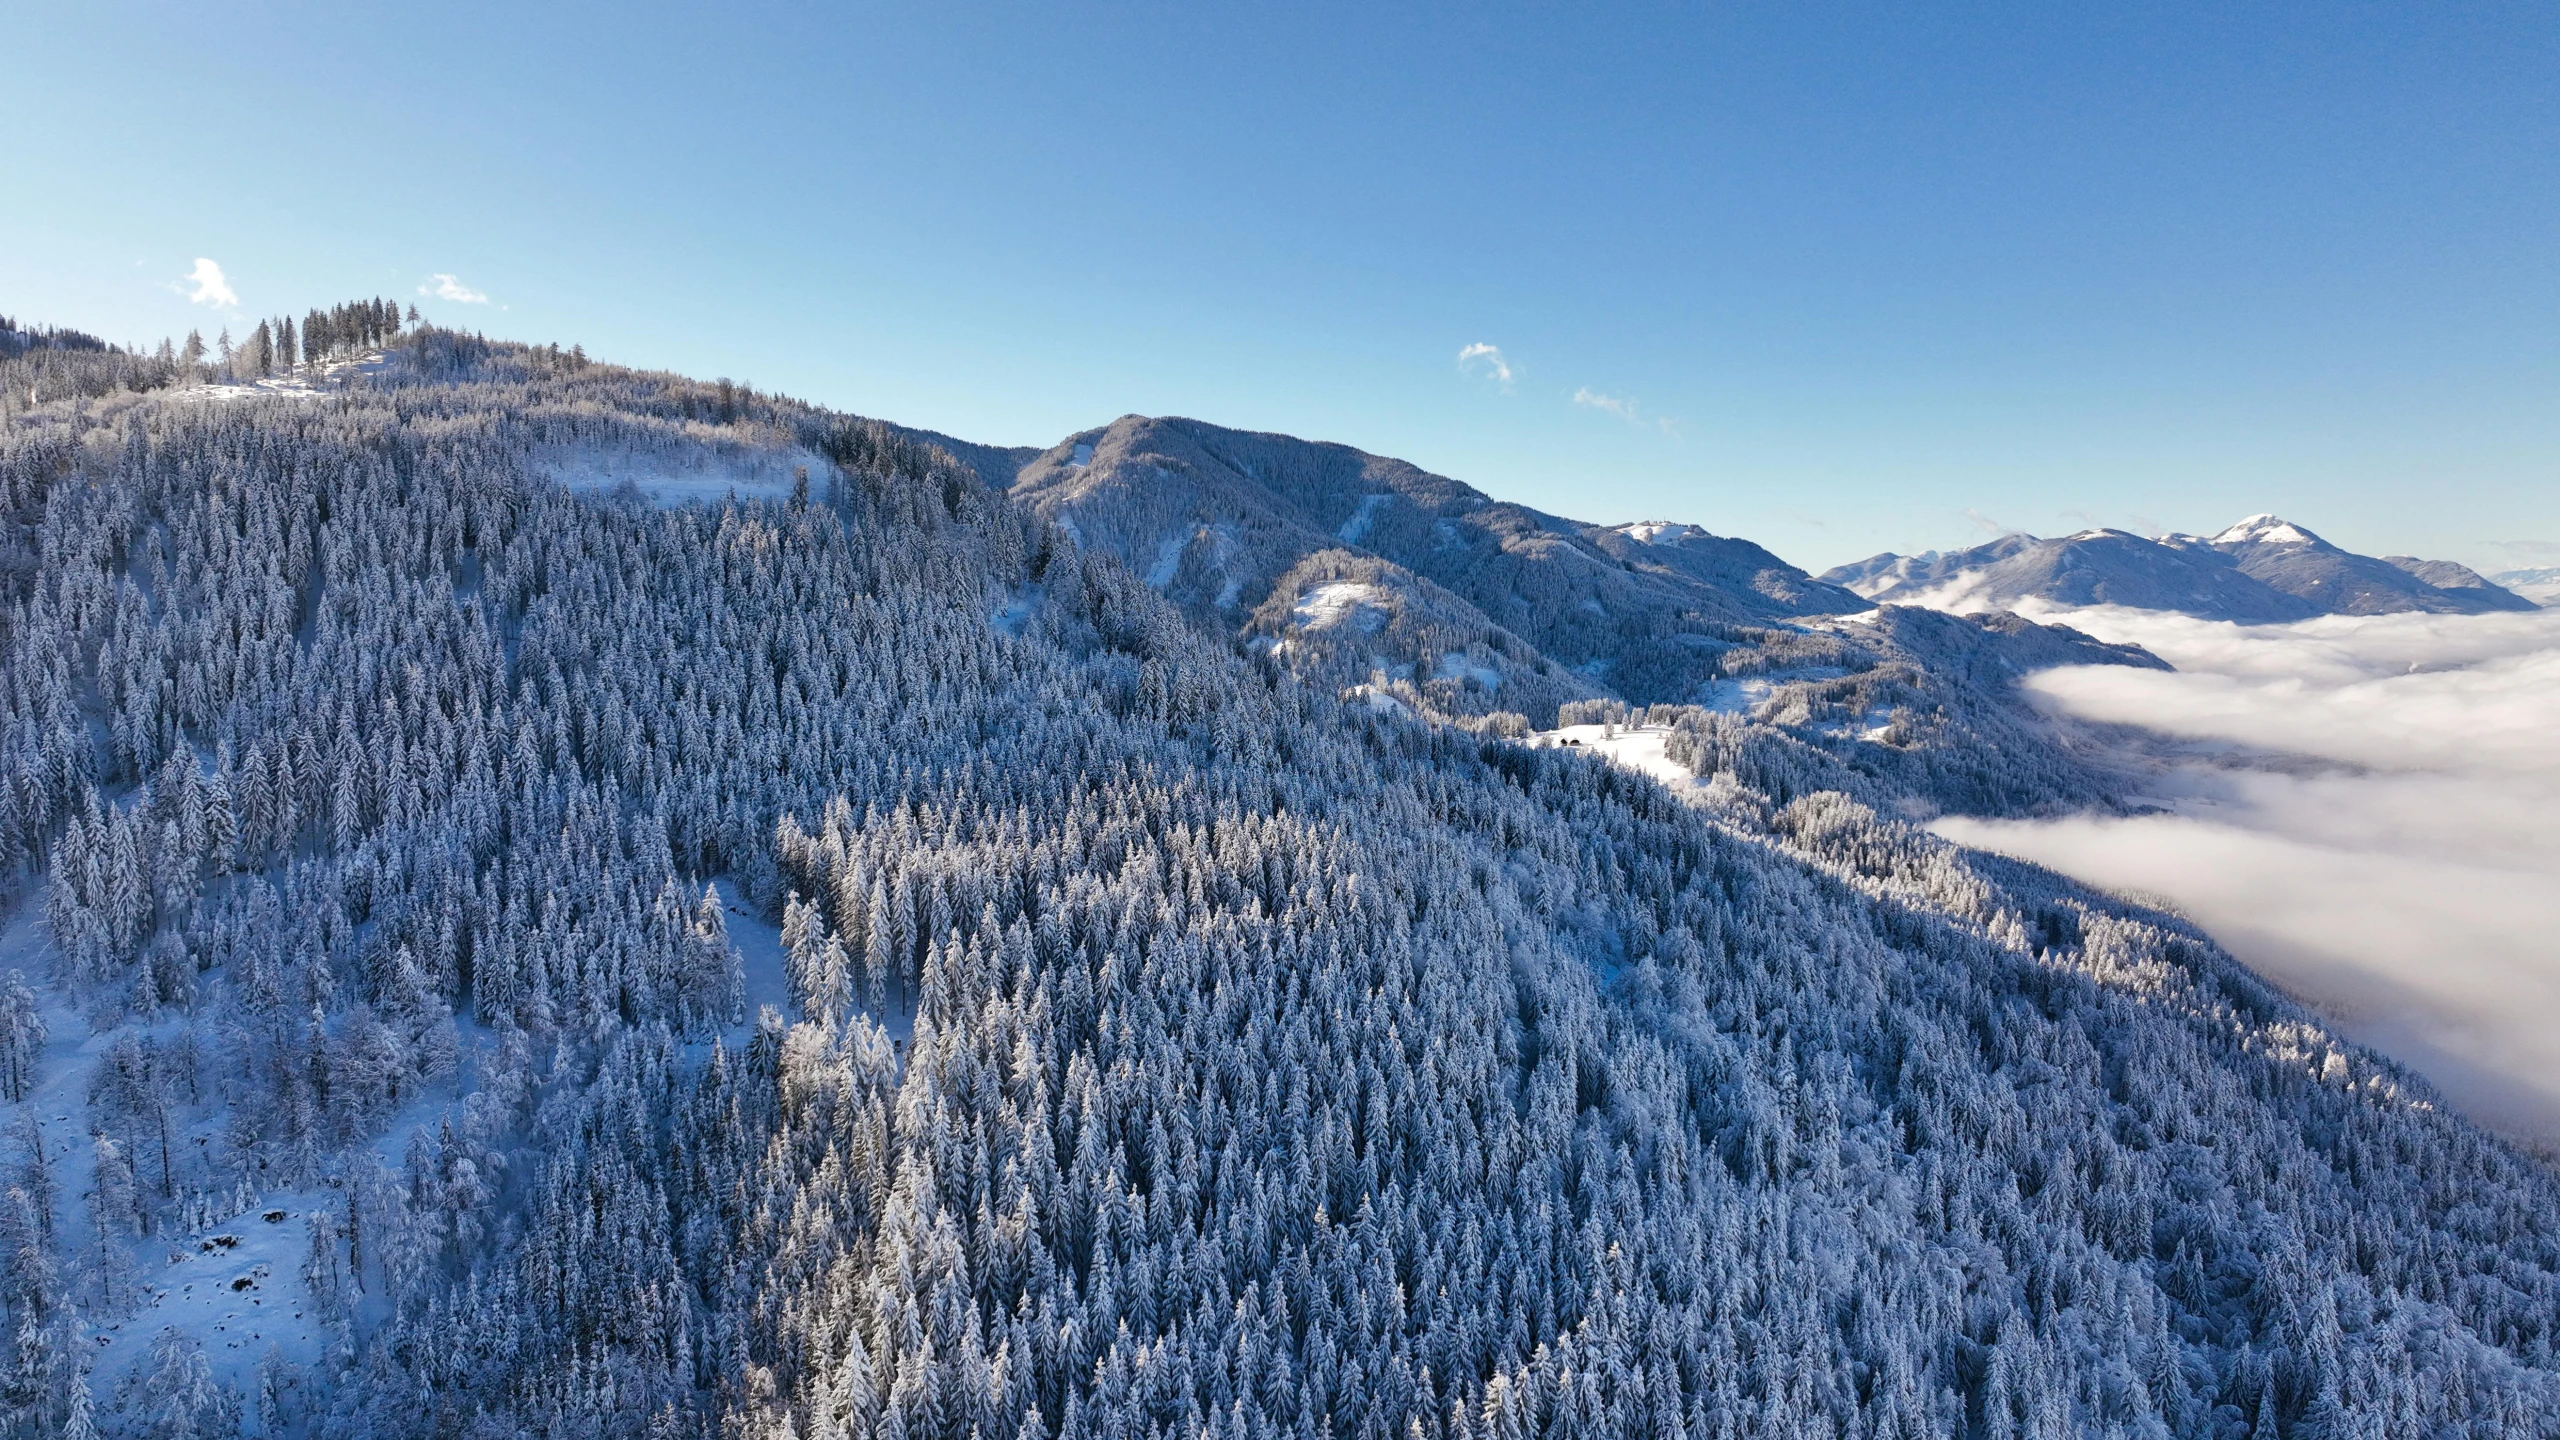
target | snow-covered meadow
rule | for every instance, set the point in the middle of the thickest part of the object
(684, 473)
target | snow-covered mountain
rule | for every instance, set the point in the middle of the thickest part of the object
(2260, 570)
(1217, 518)
(1351, 569)
(2540, 584)
(2288, 558)
(500, 941)
(1213, 517)
(2094, 567)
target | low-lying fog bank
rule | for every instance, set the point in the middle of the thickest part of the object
(2368, 812)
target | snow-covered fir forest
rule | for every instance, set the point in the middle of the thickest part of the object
(487, 956)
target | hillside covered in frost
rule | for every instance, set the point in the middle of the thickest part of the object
(545, 899)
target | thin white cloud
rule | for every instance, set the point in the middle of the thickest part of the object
(446, 287)
(210, 286)
(1606, 404)
(2369, 813)
(1987, 525)
(1486, 360)
(1626, 409)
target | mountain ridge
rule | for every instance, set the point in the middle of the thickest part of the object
(2262, 569)
(1352, 569)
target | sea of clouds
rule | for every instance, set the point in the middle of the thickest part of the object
(2364, 809)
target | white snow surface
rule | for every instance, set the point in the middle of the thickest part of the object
(1017, 611)
(1736, 696)
(1659, 532)
(1342, 602)
(272, 387)
(307, 381)
(1740, 695)
(1378, 700)
(758, 942)
(1456, 666)
(1168, 559)
(1631, 747)
(194, 1284)
(759, 947)
(1356, 529)
(2265, 530)
(1220, 540)
(684, 474)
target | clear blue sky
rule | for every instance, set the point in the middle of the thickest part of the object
(1848, 278)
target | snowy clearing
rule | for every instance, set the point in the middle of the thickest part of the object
(1659, 532)
(1456, 666)
(1629, 747)
(1355, 603)
(307, 381)
(684, 474)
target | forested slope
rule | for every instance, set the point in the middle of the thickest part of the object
(1160, 1045)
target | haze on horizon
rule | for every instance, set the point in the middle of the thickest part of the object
(1840, 284)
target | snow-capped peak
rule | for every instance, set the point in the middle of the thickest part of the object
(2266, 530)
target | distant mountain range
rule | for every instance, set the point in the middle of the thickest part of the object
(2541, 585)
(1243, 530)
(2262, 569)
